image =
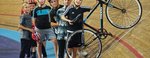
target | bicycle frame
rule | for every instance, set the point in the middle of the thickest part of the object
(101, 30)
(100, 2)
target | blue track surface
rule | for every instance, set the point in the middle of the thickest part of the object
(10, 44)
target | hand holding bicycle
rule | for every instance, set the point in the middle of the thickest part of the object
(70, 22)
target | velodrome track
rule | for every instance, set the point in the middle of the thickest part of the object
(130, 43)
(10, 44)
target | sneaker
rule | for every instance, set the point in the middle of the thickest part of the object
(82, 54)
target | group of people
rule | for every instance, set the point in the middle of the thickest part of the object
(51, 23)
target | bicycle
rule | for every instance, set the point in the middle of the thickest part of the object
(122, 14)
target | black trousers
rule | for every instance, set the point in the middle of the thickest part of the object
(62, 45)
(25, 48)
(44, 51)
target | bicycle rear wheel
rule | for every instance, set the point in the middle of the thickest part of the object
(123, 14)
(91, 45)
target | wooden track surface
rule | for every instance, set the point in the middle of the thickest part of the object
(134, 44)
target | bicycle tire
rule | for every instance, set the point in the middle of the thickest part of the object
(123, 14)
(92, 44)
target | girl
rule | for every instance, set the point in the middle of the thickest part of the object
(72, 12)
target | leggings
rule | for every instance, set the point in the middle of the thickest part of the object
(25, 48)
(62, 44)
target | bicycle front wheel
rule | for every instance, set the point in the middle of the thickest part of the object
(90, 47)
(123, 14)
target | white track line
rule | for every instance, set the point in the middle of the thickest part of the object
(107, 51)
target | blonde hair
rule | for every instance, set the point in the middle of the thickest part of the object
(24, 5)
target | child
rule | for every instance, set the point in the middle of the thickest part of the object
(26, 28)
(44, 26)
(61, 29)
(33, 43)
(72, 12)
